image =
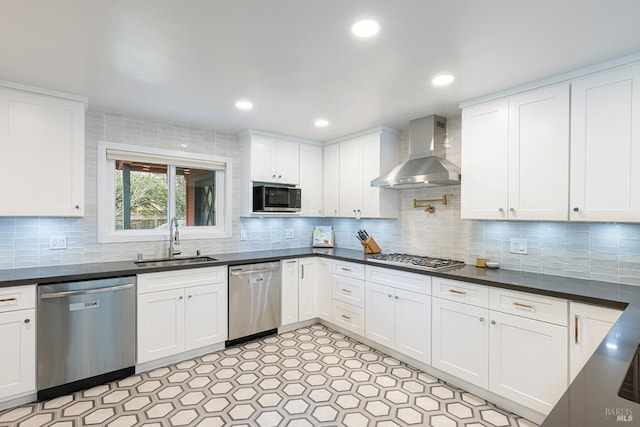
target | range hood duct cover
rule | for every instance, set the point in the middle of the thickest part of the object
(426, 166)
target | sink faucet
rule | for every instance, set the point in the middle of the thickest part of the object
(174, 238)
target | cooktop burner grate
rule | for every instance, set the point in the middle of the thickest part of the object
(415, 261)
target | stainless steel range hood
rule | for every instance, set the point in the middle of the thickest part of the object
(426, 166)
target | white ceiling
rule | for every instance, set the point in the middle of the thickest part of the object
(190, 60)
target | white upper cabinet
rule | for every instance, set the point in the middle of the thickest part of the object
(41, 154)
(352, 164)
(331, 178)
(605, 146)
(311, 179)
(274, 160)
(485, 157)
(515, 157)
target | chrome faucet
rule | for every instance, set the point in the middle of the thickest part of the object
(174, 238)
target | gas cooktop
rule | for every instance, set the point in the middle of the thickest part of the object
(415, 261)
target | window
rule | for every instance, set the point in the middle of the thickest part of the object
(140, 189)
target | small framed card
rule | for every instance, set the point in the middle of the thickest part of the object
(322, 237)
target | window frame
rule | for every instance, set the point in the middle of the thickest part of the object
(106, 187)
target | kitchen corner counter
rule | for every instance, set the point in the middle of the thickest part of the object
(591, 400)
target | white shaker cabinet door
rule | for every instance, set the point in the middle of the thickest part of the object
(325, 288)
(605, 146)
(350, 178)
(539, 155)
(589, 325)
(380, 314)
(460, 341)
(331, 177)
(160, 324)
(289, 291)
(307, 288)
(311, 180)
(263, 158)
(288, 162)
(17, 353)
(485, 158)
(205, 315)
(527, 360)
(41, 155)
(413, 325)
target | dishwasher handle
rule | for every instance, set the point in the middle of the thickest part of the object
(248, 272)
(86, 291)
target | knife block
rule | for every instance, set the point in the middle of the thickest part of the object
(370, 246)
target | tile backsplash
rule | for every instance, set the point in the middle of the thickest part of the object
(598, 251)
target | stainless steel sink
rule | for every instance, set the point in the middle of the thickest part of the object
(169, 262)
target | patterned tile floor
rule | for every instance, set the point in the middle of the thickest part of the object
(309, 377)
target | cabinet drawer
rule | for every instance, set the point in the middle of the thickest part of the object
(17, 298)
(349, 317)
(176, 279)
(348, 290)
(411, 282)
(349, 269)
(455, 290)
(532, 306)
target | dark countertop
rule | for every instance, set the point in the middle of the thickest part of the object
(591, 399)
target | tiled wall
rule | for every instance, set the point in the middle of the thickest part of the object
(609, 252)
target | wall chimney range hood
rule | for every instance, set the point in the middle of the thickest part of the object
(426, 166)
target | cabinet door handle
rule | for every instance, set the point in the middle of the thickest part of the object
(501, 210)
(180, 297)
(390, 295)
(493, 322)
(345, 269)
(397, 297)
(346, 317)
(482, 319)
(522, 305)
(576, 209)
(279, 176)
(512, 210)
(27, 321)
(291, 262)
(454, 291)
(190, 296)
(8, 299)
(346, 290)
(576, 331)
(273, 176)
(77, 207)
(302, 273)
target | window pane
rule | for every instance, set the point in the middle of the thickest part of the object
(141, 195)
(195, 197)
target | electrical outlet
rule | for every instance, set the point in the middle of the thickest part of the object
(519, 246)
(57, 242)
(243, 235)
(288, 233)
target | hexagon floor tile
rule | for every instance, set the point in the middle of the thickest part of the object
(308, 377)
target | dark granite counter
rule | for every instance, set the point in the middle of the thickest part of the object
(592, 399)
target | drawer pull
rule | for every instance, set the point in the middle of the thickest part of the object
(9, 299)
(346, 317)
(390, 295)
(454, 291)
(527, 306)
(346, 290)
(576, 323)
(345, 269)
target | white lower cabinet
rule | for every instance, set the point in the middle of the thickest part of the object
(189, 313)
(347, 295)
(460, 341)
(299, 290)
(289, 291)
(398, 318)
(18, 337)
(324, 288)
(527, 360)
(589, 325)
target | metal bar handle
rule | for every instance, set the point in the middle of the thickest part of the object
(246, 272)
(86, 291)
(346, 290)
(346, 317)
(521, 305)
(8, 299)
(576, 323)
(454, 291)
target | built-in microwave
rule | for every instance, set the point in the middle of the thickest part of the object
(267, 198)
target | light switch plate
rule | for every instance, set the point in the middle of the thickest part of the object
(519, 246)
(288, 233)
(243, 235)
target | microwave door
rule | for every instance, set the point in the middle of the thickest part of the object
(277, 198)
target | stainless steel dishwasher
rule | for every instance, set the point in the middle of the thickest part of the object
(254, 301)
(86, 334)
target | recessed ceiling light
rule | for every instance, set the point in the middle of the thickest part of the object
(443, 79)
(244, 105)
(365, 28)
(322, 123)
